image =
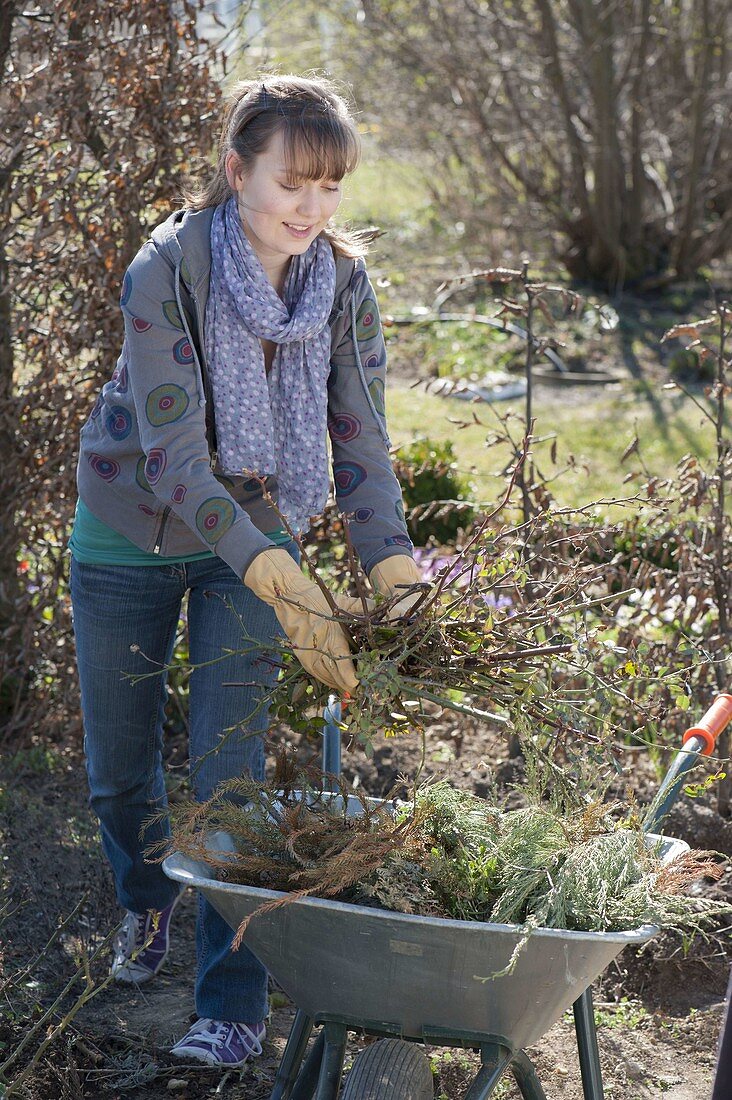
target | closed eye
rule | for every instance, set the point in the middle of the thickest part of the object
(285, 187)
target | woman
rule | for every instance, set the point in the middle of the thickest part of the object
(251, 329)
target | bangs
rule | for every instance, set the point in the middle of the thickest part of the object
(319, 146)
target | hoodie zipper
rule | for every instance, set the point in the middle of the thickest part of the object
(199, 355)
(161, 530)
(206, 390)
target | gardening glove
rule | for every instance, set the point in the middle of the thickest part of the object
(320, 644)
(392, 576)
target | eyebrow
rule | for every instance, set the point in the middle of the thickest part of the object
(295, 176)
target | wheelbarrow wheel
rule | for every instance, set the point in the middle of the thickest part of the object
(388, 1069)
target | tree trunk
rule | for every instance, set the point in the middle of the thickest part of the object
(9, 581)
(8, 542)
(685, 258)
(636, 198)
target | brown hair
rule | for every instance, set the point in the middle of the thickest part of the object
(320, 138)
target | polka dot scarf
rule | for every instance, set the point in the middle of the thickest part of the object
(276, 423)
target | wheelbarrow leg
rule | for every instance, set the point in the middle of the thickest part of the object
(331, 1067)
(526, 1079)
(293, 1056)
(307, 1078)
(496, 1060)
(587, 1048)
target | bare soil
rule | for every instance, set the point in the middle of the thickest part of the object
(659, 1012)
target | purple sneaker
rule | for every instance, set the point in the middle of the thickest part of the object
(220, 1043)
(141, 947)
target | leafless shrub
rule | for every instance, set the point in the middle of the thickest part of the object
(601, 127)
(105, 108)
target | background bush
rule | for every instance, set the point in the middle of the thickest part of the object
(435, 495)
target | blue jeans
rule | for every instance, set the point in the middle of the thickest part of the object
(125, 619)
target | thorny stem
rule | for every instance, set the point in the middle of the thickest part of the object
(20, 977)
(721, 578)
(240, 727)
(442, 582)
(548, 608)
(702, 408)
(720, 573)
(523, 654)
(422, 761)
(353, 567)
(528, 370)
(88, 993)
(450, 704)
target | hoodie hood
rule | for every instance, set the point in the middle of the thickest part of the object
(185, 240)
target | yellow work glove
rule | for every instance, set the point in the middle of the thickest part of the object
(320, 643)
(394, 575)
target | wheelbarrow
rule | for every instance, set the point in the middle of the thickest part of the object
(412, 980)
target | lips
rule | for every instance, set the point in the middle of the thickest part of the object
(298, 231)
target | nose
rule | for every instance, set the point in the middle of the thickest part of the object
(309, 205)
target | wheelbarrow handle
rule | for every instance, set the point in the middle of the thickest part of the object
(332, 734)
(714, 722)
(698, 740)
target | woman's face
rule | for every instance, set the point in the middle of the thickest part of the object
(281, 216)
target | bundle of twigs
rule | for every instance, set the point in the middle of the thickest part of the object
(298, 833)
(484, 633)
(569, 862)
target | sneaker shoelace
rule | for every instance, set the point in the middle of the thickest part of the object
(216, 1033)
(138, 940)
(131, 933)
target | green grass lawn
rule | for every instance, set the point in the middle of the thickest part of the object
(383, 191)
(594, 425)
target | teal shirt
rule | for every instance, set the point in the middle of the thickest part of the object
(95, 543)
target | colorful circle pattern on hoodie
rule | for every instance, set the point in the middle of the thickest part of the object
(126, 289)
(105, 468)
(118, 422)
(367, 320)
(166, 404)
(345, 427)
(140, 476)
(120, 379)
(183, 352)
(214, 518)
(157, 460)
(376, 390)
(348, 476)
(172, 314)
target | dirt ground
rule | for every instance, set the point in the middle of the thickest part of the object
(659, 1013)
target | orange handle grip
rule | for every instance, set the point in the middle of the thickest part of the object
(712, 724)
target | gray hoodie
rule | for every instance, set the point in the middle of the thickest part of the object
(147, 462)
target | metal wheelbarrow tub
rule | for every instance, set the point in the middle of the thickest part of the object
(414, 976)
